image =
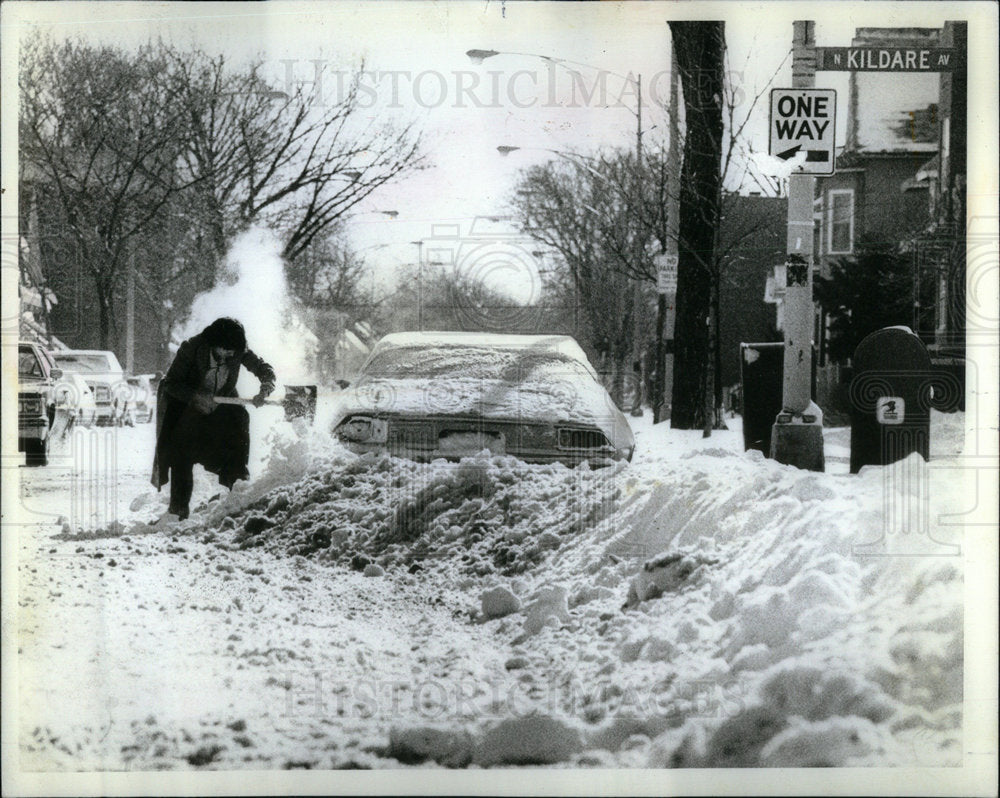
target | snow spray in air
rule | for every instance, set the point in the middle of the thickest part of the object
(252, 288)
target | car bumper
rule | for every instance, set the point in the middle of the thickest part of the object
(452, 438)
(423, 455)
(37, 428)
(104, 411)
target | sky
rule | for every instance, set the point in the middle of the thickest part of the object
(419, 72)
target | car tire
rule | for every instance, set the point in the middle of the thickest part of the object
(36, 452)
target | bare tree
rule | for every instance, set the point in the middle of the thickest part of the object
(716, 225)
(700, 47)
(265, 155)
(620, 205)
(159, 156)
(329, 275)
(440, 296)
(100, 135)
(573, 208)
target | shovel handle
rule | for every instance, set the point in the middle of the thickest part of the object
(238, 400)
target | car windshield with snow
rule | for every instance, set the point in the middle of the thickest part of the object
(431, 395)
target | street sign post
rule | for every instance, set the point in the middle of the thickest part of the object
(666, 273)
(803, 120)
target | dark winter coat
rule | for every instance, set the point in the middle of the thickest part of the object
(182, 381)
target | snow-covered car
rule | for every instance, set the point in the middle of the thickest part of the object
(429, 395)
(74, 397)
(105, 377)
(36, 407)
(142, 397)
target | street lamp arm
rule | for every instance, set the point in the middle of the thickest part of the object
(478, 56)
(507, 149)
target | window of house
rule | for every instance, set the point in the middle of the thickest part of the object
(840, 226)
(817, 229)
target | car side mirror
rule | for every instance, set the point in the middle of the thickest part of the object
(56, 374)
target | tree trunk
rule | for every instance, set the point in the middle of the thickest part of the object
(699, 47)
(104, 285)
(105, 318)
(711, 370)
(659, 383)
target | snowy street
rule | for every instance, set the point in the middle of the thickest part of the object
(345, 611)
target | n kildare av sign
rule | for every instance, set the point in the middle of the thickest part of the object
(804, 120)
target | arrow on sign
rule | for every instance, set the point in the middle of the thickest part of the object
(811, 155)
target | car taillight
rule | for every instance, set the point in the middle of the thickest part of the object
(582, 439)
(364, 430)
(101, 392)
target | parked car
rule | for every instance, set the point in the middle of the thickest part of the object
(36, 407)
(105, 377)
(143, 397)
(74, 397)
(429, 395)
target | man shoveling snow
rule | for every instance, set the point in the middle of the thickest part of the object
(191, 427)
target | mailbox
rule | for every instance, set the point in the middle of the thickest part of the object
(891, 395)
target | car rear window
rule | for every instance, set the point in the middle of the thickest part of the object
(88, 364)
(485, 363)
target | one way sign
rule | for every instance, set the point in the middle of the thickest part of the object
(804, 120)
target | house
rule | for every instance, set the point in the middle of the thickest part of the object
(900, 177)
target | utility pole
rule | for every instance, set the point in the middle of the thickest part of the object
(637, 291)
(420, 284)
(664, 303)
(797, 434)
(130, 313)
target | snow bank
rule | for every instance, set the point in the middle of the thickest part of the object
(483, 515)
(702, 607)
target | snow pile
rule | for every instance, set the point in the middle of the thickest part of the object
(703, 607)
(483, 515)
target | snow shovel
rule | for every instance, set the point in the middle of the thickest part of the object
(299, 402)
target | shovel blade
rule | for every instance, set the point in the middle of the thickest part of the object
(300, 402)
